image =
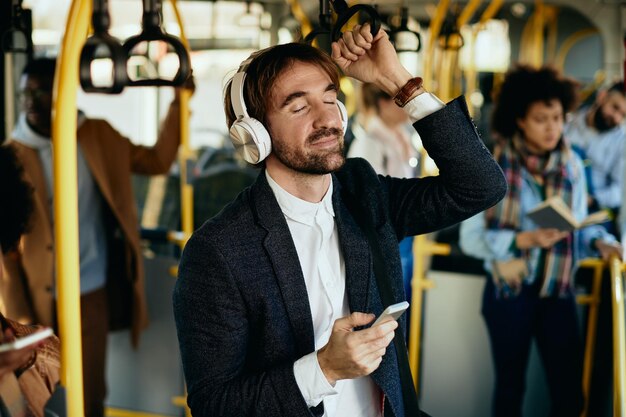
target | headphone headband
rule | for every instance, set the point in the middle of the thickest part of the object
(236, 95)
(236, 90)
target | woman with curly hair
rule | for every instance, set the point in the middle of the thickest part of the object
(529, 293)
(28, 375)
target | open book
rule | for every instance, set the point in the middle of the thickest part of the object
(554, 213)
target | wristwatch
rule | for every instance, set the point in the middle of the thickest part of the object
(402, 97)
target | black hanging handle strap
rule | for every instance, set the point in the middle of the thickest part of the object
(152, 32)
(101, 45)
(344, 13)
(18, 28)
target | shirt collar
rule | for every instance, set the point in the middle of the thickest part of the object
(24, 134)
(300, 210)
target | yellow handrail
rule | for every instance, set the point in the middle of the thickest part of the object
(538, 36)
(531, 42)
(566, 46)
(552, 14)
(305, 24)
(619, 330)
(470, 73)
(434, 29)
(120, 412)
(491, 10)
(593, 300)
(185, 155)
(66, 203)
(619, 338)
(468, 12)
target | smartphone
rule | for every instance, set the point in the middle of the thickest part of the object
(21, 342)
(394, 311)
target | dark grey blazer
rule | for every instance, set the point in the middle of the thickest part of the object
(240, 302)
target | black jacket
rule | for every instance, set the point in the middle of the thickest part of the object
(242, 312)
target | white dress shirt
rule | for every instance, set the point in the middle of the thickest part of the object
(314, 232)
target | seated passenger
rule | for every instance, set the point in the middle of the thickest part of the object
(529, 292)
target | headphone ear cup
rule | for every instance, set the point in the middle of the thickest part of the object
(344, 116)
(250, 139)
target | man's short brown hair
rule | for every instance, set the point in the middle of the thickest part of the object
(266, 66)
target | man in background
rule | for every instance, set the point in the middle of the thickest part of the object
(111, 266)
(597, 133)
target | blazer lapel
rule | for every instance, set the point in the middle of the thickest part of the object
(33, 171)
(356, 253)
(282, 253)
(89, 147)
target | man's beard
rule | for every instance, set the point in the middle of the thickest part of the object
(309, 162)
(600, 123)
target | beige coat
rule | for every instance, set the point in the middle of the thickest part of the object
(38, 381)
(26, 289)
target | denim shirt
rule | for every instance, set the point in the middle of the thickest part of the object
(490, 245)
(604, 151)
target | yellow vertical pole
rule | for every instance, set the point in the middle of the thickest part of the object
(619, 338)
(552, 23)
(66, 204)
(435, 27)
(471, 75)
(491, 10)
(468, 12)
(305, 24)
(470, 72)
(184, 153)
(184, 157)
(538, 38)
(417, 300)
(421, 248)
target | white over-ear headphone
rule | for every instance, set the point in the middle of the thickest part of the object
(250, 138)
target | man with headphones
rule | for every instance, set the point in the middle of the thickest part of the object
(276, 294)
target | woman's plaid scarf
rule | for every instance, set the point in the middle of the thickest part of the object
(512, 155)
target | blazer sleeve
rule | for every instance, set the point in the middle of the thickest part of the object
(469, 179)
(213, 333)
(158, 159)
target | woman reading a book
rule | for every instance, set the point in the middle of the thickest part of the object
(529, 293)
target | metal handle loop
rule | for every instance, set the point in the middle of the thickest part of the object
(342, 19)
(101, 46)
